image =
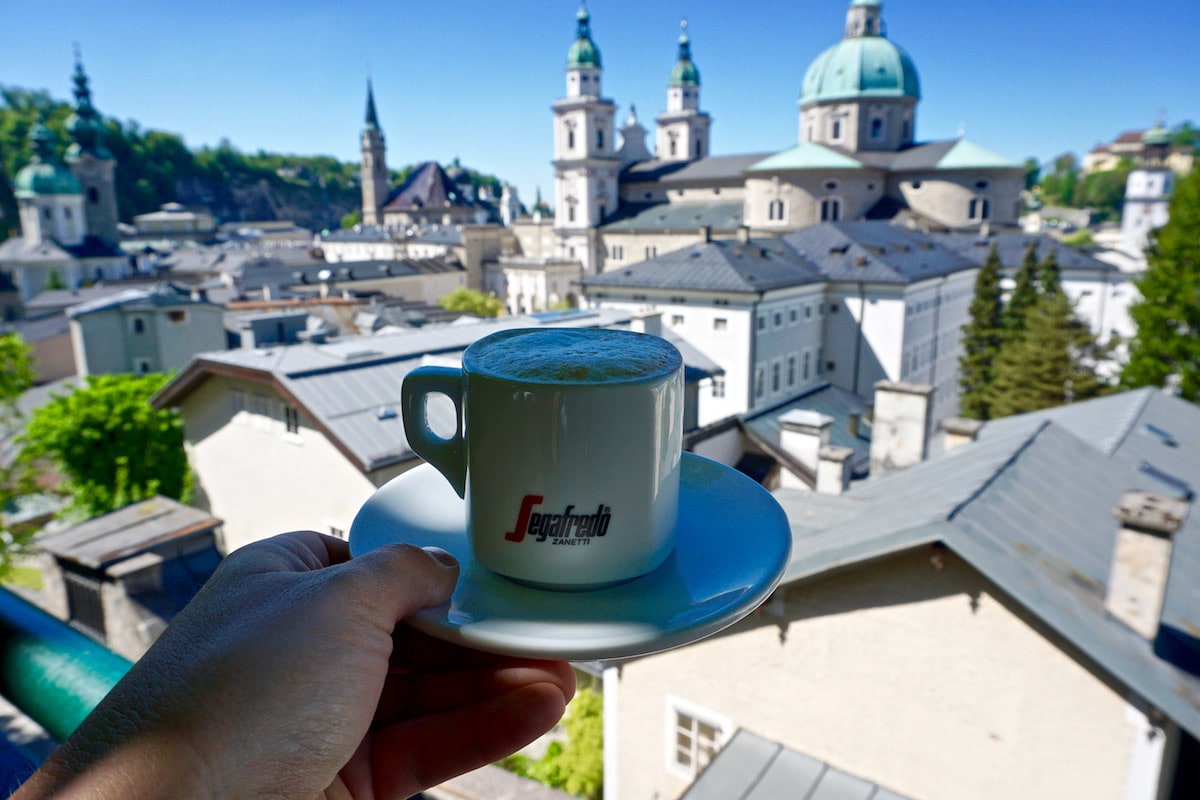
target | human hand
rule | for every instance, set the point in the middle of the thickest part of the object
(289, 675)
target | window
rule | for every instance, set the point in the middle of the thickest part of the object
(570, 139)
(777, 319)
(617, 252)
(792, 316)
(291, 418)
(93, 195)
(698, 148)
(718, 386)
(876, 128)
(677, 319)
(139, 326)
(830, 186)
(720, 324)
(570, 212)
(979, 209)
(337, 533)
(600, 139)
(177, 316)
(806, 365)
(791, 371)
(651, 251)
(259, 405)
(776, 211)
(775, 377)
(141, 366)
(758, 381)
(66, 213)
(237, 401)
(831, 209)
(835, 130)
(808, 312)
(762, 322)
(695, 736)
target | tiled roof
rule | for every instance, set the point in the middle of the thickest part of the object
(1029, 505)
(875, 252)
(685, 216)
(722, 265)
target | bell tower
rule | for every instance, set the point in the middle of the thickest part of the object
(91, 162)
(683, 129)
(373, 174)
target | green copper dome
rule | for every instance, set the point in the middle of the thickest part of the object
(44, 175)
(1158, 135)
(684, 73)
(860, 66)
(583, 53)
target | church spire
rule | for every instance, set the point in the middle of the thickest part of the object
(84, 125)
(372, 121)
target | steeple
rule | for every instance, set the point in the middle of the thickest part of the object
(372, 121)
(684, 72)
(373, 174)
(863, 19)
(84, 124)
(683, 130)
(91, 162)
(583, 52)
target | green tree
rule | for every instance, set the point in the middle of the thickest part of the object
(112, 446)
(1049, 275)
(1058, 188)
(1023, 296)
(1167, 343)
(1050, 363)
(981, 340)
(1033, 172)
(472, 301)
(578, 766)
(352, 219)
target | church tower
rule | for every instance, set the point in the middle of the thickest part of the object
(373, 174)
(586, 164)
(683, 129)
(91, 162)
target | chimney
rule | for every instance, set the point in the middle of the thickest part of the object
(743, 233)
(900, 431)
(960, 431)
(706, 233)
(647, 322)
(802, 435)
(833, 469)
(1141, 558)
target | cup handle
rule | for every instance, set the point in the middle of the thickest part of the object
(449, 456)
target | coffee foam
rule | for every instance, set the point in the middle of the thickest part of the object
(573, 356)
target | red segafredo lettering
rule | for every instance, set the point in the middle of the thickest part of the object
(557, 526)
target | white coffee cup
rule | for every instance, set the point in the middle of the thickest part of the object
(567, 451)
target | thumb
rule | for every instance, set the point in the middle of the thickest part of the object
(400, 579)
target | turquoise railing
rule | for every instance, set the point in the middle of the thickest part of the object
(49, 670)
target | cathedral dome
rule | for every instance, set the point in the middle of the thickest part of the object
(583, 53)
(44, 175)
(864, 66)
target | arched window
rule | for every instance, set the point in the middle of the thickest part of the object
(876, 128)
(570, 138)
(831, 209)
(671, 146)
(979, 209)
(776, 211)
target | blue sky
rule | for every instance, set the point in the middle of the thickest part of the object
(476, 79)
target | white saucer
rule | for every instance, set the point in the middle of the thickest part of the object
(732, 543)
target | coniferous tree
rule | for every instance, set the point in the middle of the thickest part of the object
(1024, 294)
(1049, 275)
(981, 340)
(1051, 363)
(1167, 342)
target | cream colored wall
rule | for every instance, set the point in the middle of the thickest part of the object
(260, 479)
(803, 191)
(920, 679)
(944, 196)
(635, 246)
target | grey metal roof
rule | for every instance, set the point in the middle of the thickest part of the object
(274, 273)
(703, 169)
(55, 300)
(1011, 245)
(724, 215)
(36, 330)
(825, 399)
(161, 295)
(750, 767)
(1029, 505)
(874, 251)
(351, 387)
(126, 532)
(721, 265)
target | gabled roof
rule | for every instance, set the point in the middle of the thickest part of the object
(161, 295)
(1029, 505)
(875, 252)
(723, 215)
(722, 265)
(428, 187)
(750, 767)
(764, 426)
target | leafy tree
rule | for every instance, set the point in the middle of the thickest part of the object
(577, 767)
(112, 446)
(1058, 188)
(16, 375)
(1024, 294)
(1167, 343)
(981, 340)
(352, 219)
(472, 301)
(1033, 171)
(1050, 363)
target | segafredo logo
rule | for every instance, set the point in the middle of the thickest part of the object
(564, 528)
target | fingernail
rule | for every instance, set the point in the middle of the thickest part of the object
(442, 556)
